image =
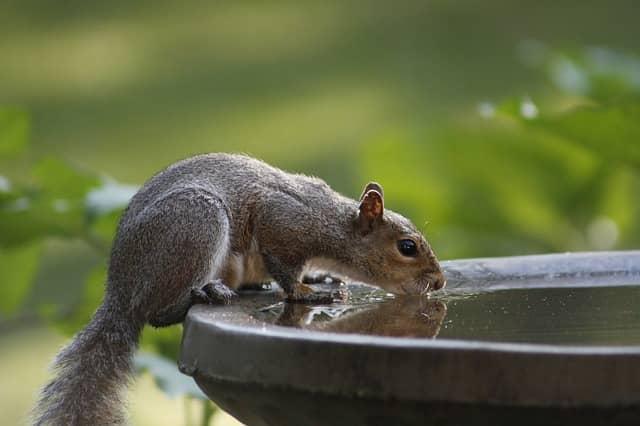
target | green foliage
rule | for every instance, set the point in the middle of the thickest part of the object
(611, 131)
(482, 189)
(51, 204)
(55, 200)
(598, 73)
(497, 189)
(57, 179)
(519, 179)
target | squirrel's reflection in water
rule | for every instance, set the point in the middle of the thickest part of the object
(403, 316)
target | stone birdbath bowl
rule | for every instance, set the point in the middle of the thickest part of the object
(532, 340)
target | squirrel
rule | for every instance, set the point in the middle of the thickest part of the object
(199, 229)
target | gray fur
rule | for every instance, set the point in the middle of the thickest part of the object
(195, 222)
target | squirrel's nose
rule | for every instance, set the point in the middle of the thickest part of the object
(438, 281)
(437, 278)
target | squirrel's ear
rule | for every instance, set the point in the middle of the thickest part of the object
(371, 208)
(372, 185)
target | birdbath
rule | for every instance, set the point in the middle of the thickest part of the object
(548, 339)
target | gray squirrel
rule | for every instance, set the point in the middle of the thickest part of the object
(198, 230)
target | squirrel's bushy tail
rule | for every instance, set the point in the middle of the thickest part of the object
(92, 372)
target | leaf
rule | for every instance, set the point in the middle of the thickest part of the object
(56, 178)
(55, 206)
(33, 216)
(612, 132)
(167, 377)
(18, 267)
(14, 131)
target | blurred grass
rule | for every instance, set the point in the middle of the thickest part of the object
(351, 91)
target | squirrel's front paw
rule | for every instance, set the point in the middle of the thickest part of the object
(302, 293)
(213, 293)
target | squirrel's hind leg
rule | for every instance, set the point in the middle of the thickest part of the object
(180, 245)
(212, 293)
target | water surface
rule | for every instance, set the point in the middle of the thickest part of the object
(567, 316)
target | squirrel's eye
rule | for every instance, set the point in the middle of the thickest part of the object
(408, 248)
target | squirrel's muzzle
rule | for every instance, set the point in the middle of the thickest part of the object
(438, 281)
(429, 281)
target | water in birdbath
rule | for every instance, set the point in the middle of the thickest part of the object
(592, 315)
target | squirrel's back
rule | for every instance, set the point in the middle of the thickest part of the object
(236, 178)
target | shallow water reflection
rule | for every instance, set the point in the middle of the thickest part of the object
(404, 316)
(583, 316)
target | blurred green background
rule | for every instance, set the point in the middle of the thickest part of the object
(500, 128)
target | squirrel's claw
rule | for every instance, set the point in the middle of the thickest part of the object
(213, 293)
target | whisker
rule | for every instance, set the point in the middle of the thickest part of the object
(424, 226)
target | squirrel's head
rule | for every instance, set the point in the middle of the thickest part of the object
(394, 254)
